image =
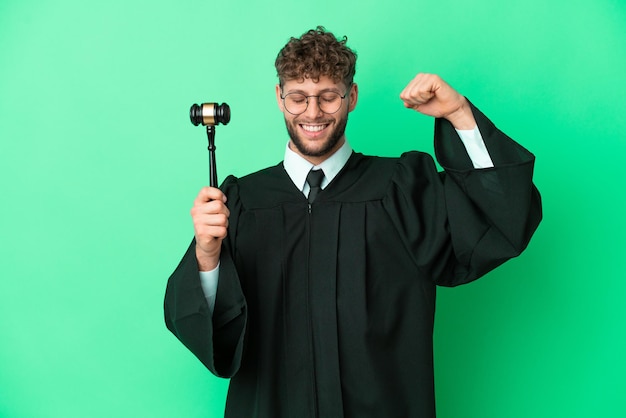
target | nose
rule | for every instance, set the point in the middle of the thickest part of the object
(313, 109)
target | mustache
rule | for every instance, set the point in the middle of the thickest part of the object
(313, 121)
(316, 122)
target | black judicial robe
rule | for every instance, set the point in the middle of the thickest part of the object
(327, 310)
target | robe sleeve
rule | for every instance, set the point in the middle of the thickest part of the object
(493, 212)
(462, 223)
(216, 340)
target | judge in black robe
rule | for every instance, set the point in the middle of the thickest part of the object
(327, 310)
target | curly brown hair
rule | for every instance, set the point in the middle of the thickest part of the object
(316, 53)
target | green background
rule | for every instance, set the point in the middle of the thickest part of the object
(99, 166)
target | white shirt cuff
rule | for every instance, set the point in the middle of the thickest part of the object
(475, 146)
(208, 281)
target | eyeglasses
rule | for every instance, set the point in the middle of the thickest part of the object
(328, 102)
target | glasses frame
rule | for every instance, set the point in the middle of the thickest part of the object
(318, 100)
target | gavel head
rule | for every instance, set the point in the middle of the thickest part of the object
(209, 114)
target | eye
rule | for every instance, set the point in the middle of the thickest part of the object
(296, 98)
(329, 97)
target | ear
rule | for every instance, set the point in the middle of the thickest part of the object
(278, 99)
(353, 97)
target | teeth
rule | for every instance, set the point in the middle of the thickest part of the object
(313, 128)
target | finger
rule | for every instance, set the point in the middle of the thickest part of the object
(419, 91)
(217, 232)
(417, 96)
(207, 234)
(217, 219)
(213, 207)
(208, 227)
(207, 194)
(210, 219)
(216, 207)
(405, 95)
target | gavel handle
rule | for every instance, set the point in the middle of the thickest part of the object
(210, 132)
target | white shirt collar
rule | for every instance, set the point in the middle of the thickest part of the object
(298, 168)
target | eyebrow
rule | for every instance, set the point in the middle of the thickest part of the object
(327, 90)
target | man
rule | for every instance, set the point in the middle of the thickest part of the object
(312, 283)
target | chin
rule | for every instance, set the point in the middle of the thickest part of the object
(318, 147)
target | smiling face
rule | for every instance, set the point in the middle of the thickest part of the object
(316, 135)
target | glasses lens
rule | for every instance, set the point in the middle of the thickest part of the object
(330, 102)
(295, 103)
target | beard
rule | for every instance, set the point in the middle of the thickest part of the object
(333, 139)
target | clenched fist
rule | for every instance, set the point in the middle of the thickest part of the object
(430, 95)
